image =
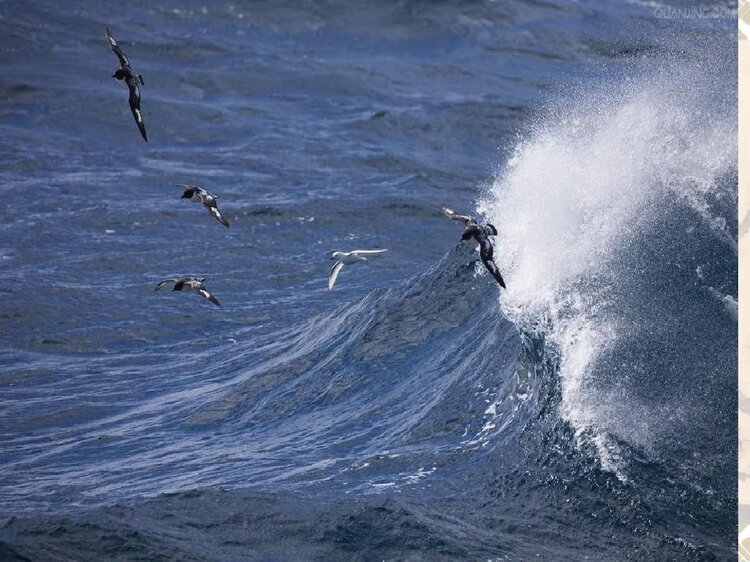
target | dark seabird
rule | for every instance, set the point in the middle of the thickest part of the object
(481, 234)
(132, 79)
(347, 258)
(191, 282)
(195, 193)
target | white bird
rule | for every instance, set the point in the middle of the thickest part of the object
(347, 258)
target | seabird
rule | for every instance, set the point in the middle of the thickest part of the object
(132, 79)
(191, 282)
(195, 193)
(347, 258)
(481, 234)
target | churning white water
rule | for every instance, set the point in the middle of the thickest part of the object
(575, 196)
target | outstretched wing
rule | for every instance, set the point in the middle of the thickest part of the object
(117, 50)
(360, 253)
(188, 192)
(333, 275)
(135, 107)
(456, 217)
(162, 283)
(214, 210)
(492, 268)
(192, 188)
(202, 291)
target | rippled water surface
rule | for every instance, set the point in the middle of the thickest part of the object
(416, 411)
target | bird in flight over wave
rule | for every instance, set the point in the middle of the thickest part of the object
(195, 193)
(348, 258)
(133, 80)
(192, 283)
(481, 234)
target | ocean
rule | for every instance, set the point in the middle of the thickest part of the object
(417, 411)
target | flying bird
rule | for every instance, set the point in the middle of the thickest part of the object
(133, 80)
(347, 258)
(195, 193)
(192, 283)
(481, 234)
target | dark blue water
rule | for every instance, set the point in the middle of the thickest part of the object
(416, 411)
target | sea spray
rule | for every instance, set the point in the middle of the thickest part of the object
(576, 204)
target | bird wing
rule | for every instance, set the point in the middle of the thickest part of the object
(204, 195)
(197, 188)
(117, 50)
(164, 282)
(456, 217)
(135, 107)
(188, 192)
(360, 253)
(214, 210)
(333, 275)
(202, 291)
(492, 268)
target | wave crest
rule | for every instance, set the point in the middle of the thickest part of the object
(586, 198)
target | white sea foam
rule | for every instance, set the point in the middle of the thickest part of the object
(587, 180)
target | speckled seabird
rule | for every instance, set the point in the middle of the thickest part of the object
(192, 282)
(132, 79)
(195, 193)
(481, 234)
(347, 258)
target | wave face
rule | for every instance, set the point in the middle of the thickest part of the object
(417, 411)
